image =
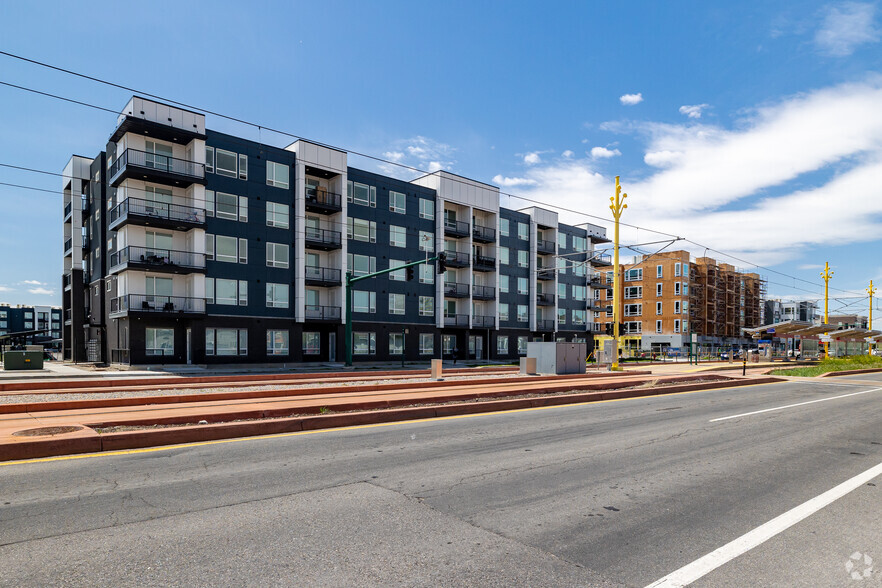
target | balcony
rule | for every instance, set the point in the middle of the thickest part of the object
(544, 246)
(545, 299)
(483, 322)
(484, 263)
(483, 234)
(322, 276)
(601, 260)
(323, 239)
(483, 292)
(545, 324)
(456, 320)
(84, 205)
(167, 261)
(599, 328)
(454, 290)
(66, 280)
(457, 259)
(131, 304)
(68, 209)
(156, 168)
(455, 228)
(545, 273)
(315, 312)
(149, 213)
(323, 202)
(86, 242)
(174, 132)
(596, 281)
(68, 246)
(597, 305)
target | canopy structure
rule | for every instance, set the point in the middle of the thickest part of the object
(788, 329)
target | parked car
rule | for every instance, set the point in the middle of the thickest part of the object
(736, 354)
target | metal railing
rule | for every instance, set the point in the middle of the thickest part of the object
(324, 275)
(85, 241)
(485, 322)
(456, 320)
(545, 273)
(322, 313)
(595, 327)
(545, 299)
(545, 246)
(65, 280)
(485, 261)
(545, 324)
(68, 245)
(323, 237)
(162, 163)
(157, 210)
(84, 204)
(158, 257)
(601, 259)
(483, 292)
(68, 208)
(485, 234)
(457, 258)
(456, 290)
(322, 198)
(157, 304)
(456, 228)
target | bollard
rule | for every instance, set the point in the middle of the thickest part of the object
(744, 367)
(436, 369)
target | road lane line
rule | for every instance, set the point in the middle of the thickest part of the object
(744, 414)
(704, 565)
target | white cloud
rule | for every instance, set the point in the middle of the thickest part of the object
(501, 180)
(418, 152)
(395, 156)
(568, 154)
(604, 153)
(41, 291)
(33, 283)
(662, 158)
(631, 99)
(846, 26)
(810, 266)
(532, 158)
(693, 111)
(6, 289)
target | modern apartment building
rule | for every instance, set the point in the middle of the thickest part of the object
(777, 311)
(667, 297)
(186, 245)
(18, 319)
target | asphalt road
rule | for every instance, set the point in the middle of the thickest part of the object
(620, 493)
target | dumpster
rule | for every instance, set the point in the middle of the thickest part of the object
(23, 360)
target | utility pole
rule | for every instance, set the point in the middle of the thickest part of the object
(871, 290)
(826, 274)
(617, 205)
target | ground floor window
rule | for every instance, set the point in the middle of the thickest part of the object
(448, 343)
(226, 341)
(522, 345)
(160, 342)
(502, 345)
(396, 343)
(427, 343)
(364, 343)
(276, 342)
(312, 343)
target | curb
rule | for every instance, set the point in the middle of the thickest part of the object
(850, 372)
(203, 433)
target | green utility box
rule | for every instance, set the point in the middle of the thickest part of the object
(23, 360)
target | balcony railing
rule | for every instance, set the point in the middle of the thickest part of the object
(545, 273)
(159, 259)
(65, 280)
(68, 245)
(596, 280)
(320, 200)
(157, 211)
(164, 165)
(544, 246)
(597, 305)
(157, 304)
(456, 320)
(68, 208)
(315, 312)
(322, 276)
(601, 259)
(483, 234)
(595, 327)
(457, 259)
(484, 263)
(454, 290)
(483, 322)
(545, 324)
(545, 299)
(84, 204)
(323, 238)
(85, 242)
(483, 292)
(455, 228)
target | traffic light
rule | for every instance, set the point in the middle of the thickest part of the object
(442, 263)
(410, 272)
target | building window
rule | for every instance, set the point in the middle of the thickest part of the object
(396, 343)
(364, 343)
(633, 275)
(427, 241)
(226, 342)
(277, 255)
(561, 266)
(658, 308)
(523, 259)
(227, 249)
(427, 274)
(676, 288)
(503, 284)
(503, 311)
(364, 301)
(226, 163)
(580, 244)
(427, 306)
(685, 289)
(676, 325)
(160, 341)
(561, 316)
(524, 231)
(633, 327)
(427, 209)
(277, 342)
(522, 345)
(503, 256)
(397, 202)
(448, 343)
(503, 227)
(523, 286)
(397, 236)
(396, 303)
(427, 343)
(579, 317)
(523, 313)
(502, 345)
(243, 167)
(277, 215)
(633, 292)
(580, 292)
(676, 270)
(633, 309)
(361, 230)
(658, 271)
(277, 174)
(276, 295)
(209, 159)
(361, 265)
(676, 307)
(658, 289)
(29, 325)
(397, 275)
(311, 343)
(363, 194)
(658, 326)
(561, 240)
(562, 291)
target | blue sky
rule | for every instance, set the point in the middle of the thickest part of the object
(754, 128)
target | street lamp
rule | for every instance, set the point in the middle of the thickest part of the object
(617, 205)
(826, 274)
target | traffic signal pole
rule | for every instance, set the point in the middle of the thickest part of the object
(617, 205)
(351, 279)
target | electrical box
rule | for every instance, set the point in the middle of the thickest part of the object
(558, 358)
(23, 360)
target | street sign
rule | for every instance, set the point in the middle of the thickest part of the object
(825, 338)
(772, 330)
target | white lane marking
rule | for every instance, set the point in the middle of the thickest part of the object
(744, 414)
(704, 565)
